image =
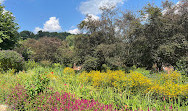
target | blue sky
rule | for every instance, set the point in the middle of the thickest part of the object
(63, 15)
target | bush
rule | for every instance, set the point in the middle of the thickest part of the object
(30, 64)
(69, 71)
(142, 71)
(45, 63)
(24, 48)
(37, 85)
(182, 66)
(11, 60)
(90, 63)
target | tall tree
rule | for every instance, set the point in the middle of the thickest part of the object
(165, 33)
(175, 31)
(152, 32)
(8, 30)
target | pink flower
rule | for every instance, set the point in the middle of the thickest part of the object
(170, 107)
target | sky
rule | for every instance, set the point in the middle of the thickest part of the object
(63, 15)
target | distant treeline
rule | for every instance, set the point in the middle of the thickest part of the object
(28, 34)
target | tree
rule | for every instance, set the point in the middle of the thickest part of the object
(175, 32)
(27, 34)
(8, 30)
(108, 39)
(44, 49)
(71, 40)
(61, 35)
(119, 39)
(65, 54)
(164, 33)
(105, 26)
(152, 32)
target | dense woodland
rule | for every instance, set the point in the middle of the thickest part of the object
(119, 39)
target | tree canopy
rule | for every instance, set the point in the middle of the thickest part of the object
(8, 29)
(118, 39)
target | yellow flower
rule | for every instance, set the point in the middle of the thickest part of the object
(69, 71)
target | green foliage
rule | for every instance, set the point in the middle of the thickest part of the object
(71, 40)
(90, 63)
(38, 84)
(8, 30)
(57, 65)
(46, 48)
(30, 64)
(182, 66)
(105, 68)
(26, 34)
(162, 38)
(174, 49)
(65, 54)
(11, 60)
(142, 71)
(24, 48)
(39, 50)
(61, 35)
(112, 55)
(45, 63)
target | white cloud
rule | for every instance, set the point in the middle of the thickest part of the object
(2, 1)
(93, 6)
(176, 7)
(37, 29)
(164, 11)
(145, 17)
(74, 31)
(52, 25)
(91, 17)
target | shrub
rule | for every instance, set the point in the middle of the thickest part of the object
(169, 85)
(182, 66)
(30, 64)
(25, 49)
(142, 71)
(45, 63)
(137, 81)
(39, 84)
(11, 60)
(69, 71)
(105, 67)
(108, 78)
